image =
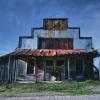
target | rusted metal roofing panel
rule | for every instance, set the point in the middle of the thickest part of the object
(17, 52)
(49, 52)
(25, 51)
(29, 52)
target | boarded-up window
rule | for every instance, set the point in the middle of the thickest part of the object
(55, 43)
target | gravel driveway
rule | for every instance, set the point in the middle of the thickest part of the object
(82, 97)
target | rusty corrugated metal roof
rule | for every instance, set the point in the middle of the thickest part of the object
(48, 52)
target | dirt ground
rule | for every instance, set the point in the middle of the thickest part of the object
(81, 97)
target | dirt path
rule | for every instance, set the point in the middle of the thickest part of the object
(82, 97)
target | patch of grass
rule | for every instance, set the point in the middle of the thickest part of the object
(32, 89)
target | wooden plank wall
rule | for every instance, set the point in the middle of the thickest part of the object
(3, 71)
(55, 43)
(8, 71)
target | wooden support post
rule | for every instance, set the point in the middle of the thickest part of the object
(12, 73)
(44, 65)
(8, 68)
(3, 72)
(35, 63)
(68, 68)
(15, 71)
(75, 67)
(16, 68)
(64, 69)
(83, 65)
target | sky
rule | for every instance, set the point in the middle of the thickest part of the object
(17, 17)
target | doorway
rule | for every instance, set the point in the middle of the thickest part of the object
(79, 66)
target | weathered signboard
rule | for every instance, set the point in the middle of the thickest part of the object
(55, 24)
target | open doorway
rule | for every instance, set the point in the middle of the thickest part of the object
(79, 67)
(25, 70)
(60, 69)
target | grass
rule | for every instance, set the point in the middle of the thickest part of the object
(41, 89)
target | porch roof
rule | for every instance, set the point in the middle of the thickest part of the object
(50, 52)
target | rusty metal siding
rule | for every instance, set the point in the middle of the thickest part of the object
(55, 43)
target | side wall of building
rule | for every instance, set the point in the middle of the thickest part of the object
(8, 70)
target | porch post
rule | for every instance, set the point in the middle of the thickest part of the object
(83, 65)
(35, 69)
(44, 65)
(8, 68)
(68, 68)
(15, 70)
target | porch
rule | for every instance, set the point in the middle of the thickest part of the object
(67, 65)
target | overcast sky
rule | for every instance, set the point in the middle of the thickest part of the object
(17, 17)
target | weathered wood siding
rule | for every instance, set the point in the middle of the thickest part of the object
(55, 43)
(8, 70)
